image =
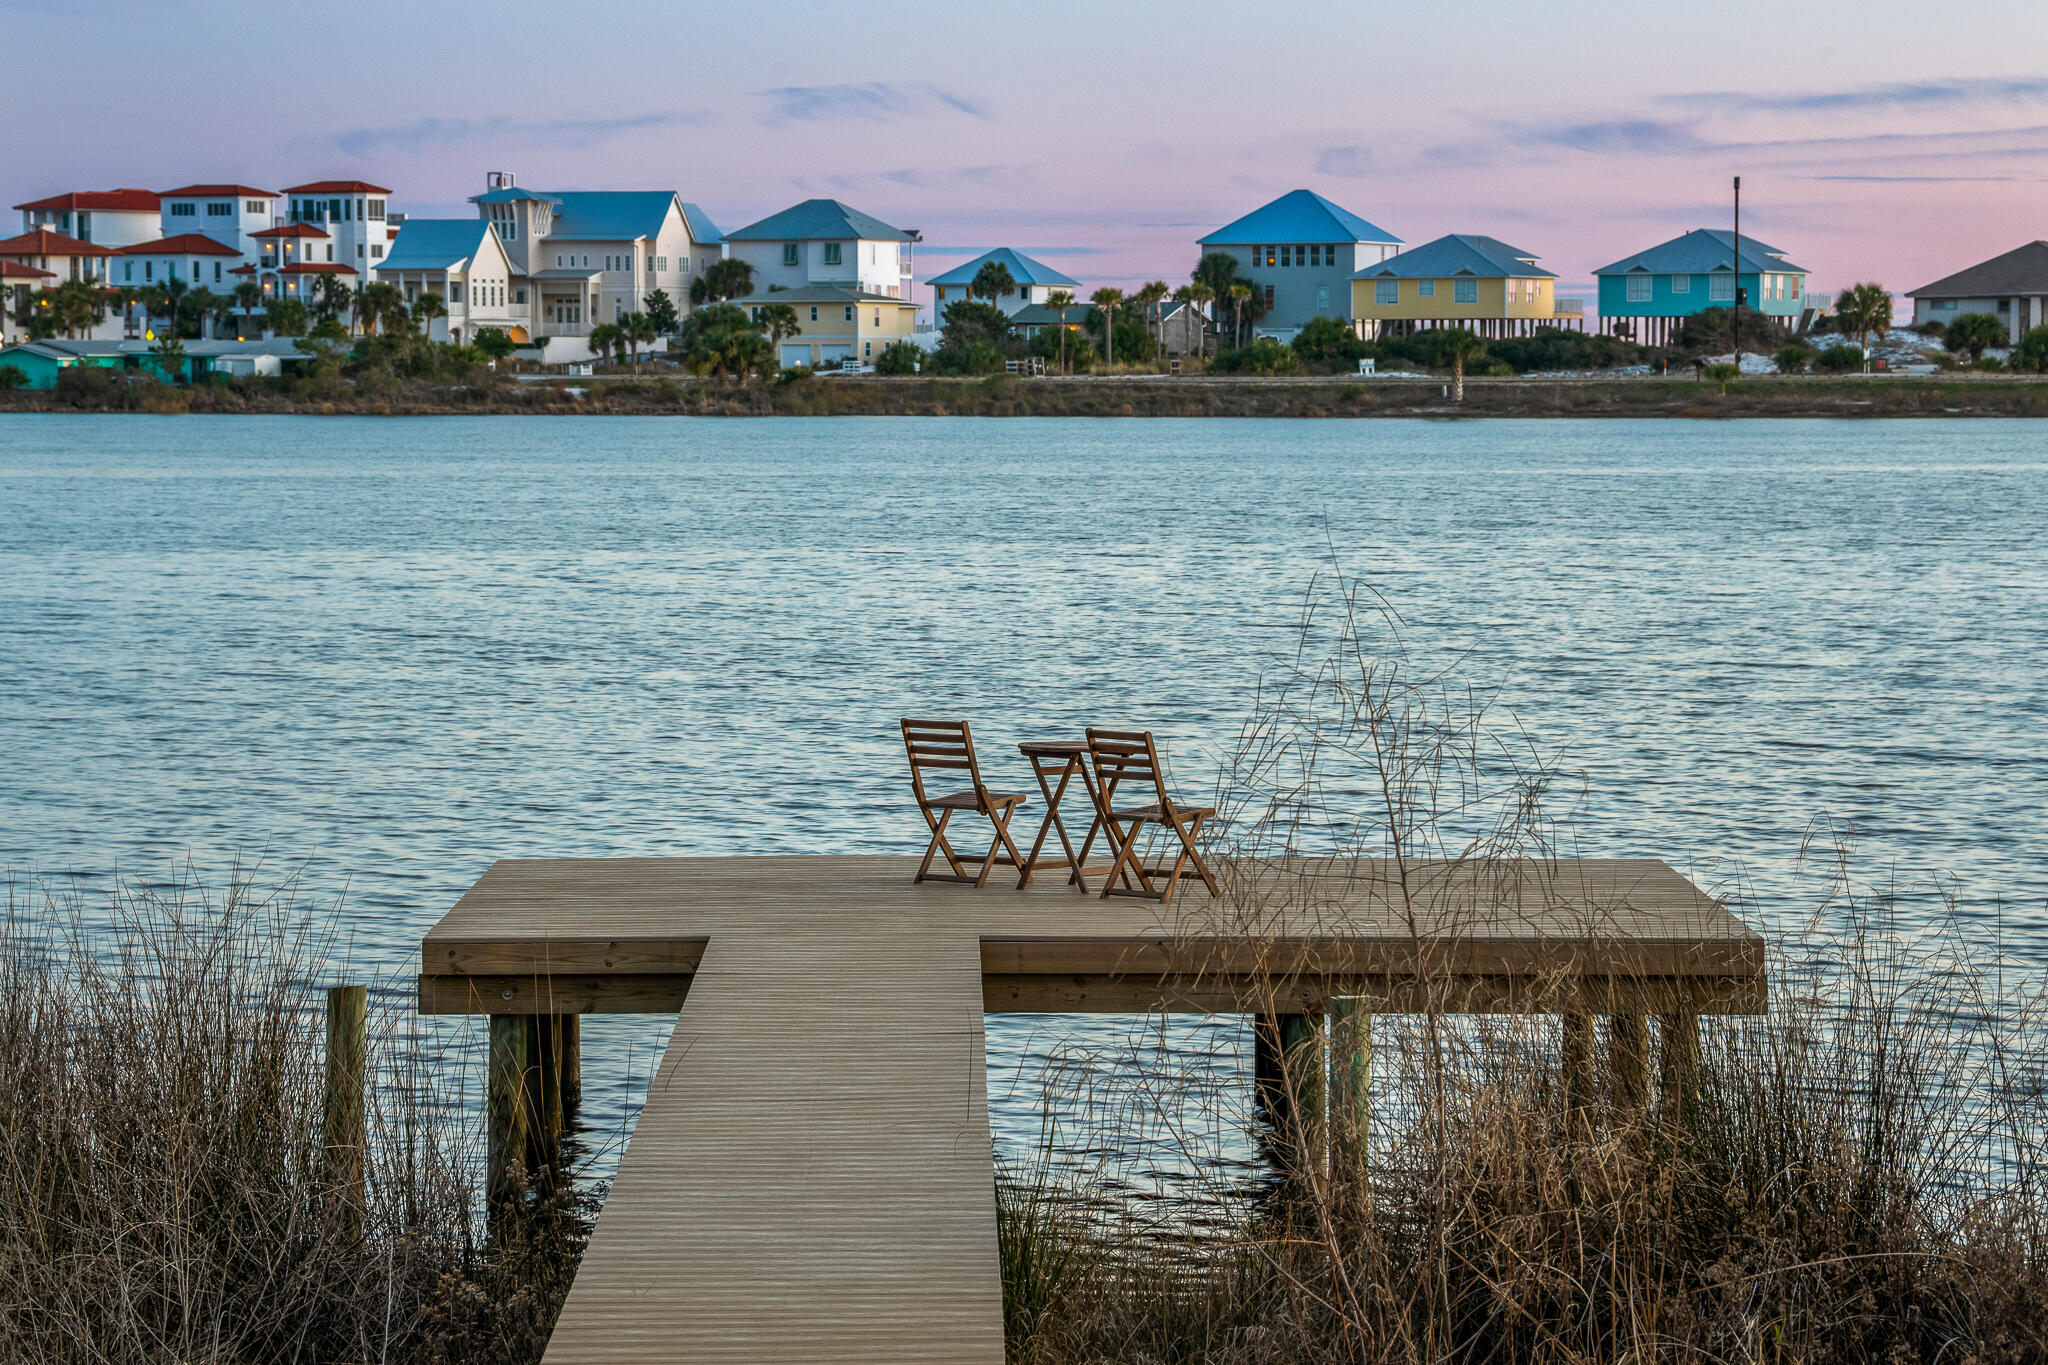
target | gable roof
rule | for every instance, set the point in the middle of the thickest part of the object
(1701, 252)
(1022, 269)
(184, 244)
(1300, 216)
(2023, 270)
(43, 242)
(134, 201)
(291, 230)
(15, 270)
(703, 231)
(215, 191)
(435, 243)
(1457, 254)
(609, 215)
(819, 218)
(337, 187)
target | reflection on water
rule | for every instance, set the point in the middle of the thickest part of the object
(390, 651)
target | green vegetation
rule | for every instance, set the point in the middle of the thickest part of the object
(13, 377)
(991, 282)
(1722, 374)
(1864, 312)
(1972, 334)
(286, 318)
(661, 311)
(2031, 355)
(495, 343)
(731, 278)
(1793, 358)
(899, 358)
(1840, 358)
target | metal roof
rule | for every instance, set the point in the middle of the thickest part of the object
(820, 293)
(703, 231)
(609, 215)
(1703, 251)
(1300, 216)
(815, 219)
(1458, 254)
(563, 272)
(2023, 270)
(1022, 269)
(435, 243)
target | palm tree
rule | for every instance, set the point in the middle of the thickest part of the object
(1108, 300)
(1060, 300)
(425, 309)
(606, 338)
(331, 298)
(169, 355)
(1864, 309)
(248, 297)
(779, 320)
(993, 279)
(1198, 294)
(1149, 298)
(379, 306)
(1970, 335)
(1458, 345)
(175, 291)
(640, 329)
(1240, 295)
(285, 317)
(731, 278)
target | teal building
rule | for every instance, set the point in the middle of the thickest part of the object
(1646, 295)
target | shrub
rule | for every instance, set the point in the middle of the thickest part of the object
(2031, 355)
(1263, 356)
(899, 357)
(1990, 364)
(1723, 374)
(1793, 359)
(1840, 358)
(1327, 344)
(13, 377)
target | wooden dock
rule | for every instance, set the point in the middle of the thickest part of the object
(811, 1176)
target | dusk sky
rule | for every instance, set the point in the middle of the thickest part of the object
(1876, 139)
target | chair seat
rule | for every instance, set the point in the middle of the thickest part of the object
(966, 801)
(1153, 812)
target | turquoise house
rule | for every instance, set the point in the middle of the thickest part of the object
(1646, 295)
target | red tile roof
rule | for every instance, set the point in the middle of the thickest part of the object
(141, 201)
(184, 244)
(15, 270)
(43, 242)
(241, 270)
(291, 230)
(318, 268)
(205, 191)
(338, 187)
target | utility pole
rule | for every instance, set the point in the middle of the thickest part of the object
(1738, 275)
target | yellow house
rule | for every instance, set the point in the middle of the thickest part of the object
(836, 324)
(1459, 281)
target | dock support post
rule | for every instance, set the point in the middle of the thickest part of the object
(1679, 1065)
(510, 1119)
(1287, 1073)
(1578, 1066)
(1350, 1086)
(1628, 1065)
(342, 1122)
(555, 1062)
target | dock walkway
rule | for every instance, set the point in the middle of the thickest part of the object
(811, 1177)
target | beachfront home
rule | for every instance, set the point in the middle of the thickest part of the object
(1646, 295)
(581, 257)
(350, 215)
(230, 214)
(193, 257)
(465, 262)
(838, 323)
(822, 242)
(66, 258)
(1300, 252)
(107, 218)
(1463, 280)
(1035, 282)
(2012, 288)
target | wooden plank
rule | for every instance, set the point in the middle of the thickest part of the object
(1492, 994)
(575, 993)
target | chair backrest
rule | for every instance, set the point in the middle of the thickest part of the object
(1125, 756)
(941, 745)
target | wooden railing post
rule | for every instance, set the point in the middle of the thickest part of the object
(342, 1123)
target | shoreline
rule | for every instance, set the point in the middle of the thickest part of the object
(1099, 396)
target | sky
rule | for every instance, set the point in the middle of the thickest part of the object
(1876, 140)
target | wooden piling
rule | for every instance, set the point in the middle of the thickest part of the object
(342, 1123)
(1289, 1093)
(1578, 1065)
(511, 1118)
(1628, 1065)
(1350, 1084)
(1678, 1067)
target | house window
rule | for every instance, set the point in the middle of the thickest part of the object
(1269, 298)
(814, 312)
(1465, 291)
(849, 312)
(1425, 289)
(1681, 284)
(184, 210)
(1322, 298)
(128, 270)
(1794, 279)
(1287, 255)
(376, 252)
(519, 296)
(216, 272)
(376, 210)
(455, 291)
(832, 253)
(558, 260)
(1386, 291)
(1639, 289)
(148, 271)
(359, 251)
(219, 210)
(1721, 288)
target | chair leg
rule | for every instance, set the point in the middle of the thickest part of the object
(939, 842)
(1123, 851)
(1187, 839)
(1003, 837)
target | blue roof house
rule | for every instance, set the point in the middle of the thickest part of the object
(1647, 294)
(1300, 252)
(1036, 282)
(461, 261)
(822, 242)
(581, 257)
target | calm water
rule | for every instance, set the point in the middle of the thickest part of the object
(390, 651)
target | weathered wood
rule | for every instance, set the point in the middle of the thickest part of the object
(1678, 1068)
(1350, 1083)
(570, 994)
(570, 1030)
(510, 1116)
(1628, 1064)
(342, 1125)
(1220, 993)
(1577, 1063)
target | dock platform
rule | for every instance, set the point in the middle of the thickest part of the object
(811, 1177)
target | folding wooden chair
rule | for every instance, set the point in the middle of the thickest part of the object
(1128, 758)
(946, 744)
